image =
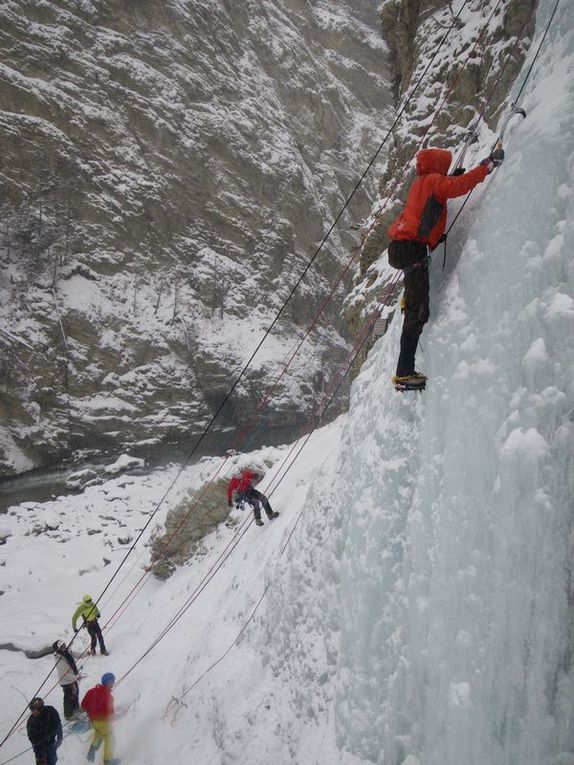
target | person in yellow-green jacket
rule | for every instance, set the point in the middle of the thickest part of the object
(90, 615)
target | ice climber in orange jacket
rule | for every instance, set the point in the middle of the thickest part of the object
(416, 231)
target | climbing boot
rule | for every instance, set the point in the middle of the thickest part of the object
(104, 652)
(91, 756)
(416, 381)
(258, 522)
(273, 515)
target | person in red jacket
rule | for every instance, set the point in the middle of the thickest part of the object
(98, 703)
(416, 231)
(242, 486)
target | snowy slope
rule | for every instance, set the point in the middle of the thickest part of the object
(421, 611)
(84, 538)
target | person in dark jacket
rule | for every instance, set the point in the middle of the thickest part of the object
(416, 231)
(68, 676)
(242, 486)
(44, 729)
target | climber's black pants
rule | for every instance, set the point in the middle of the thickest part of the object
(416, 315)
(256, 499)
(71, 699)
(96, 635)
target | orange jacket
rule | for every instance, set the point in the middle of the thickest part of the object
(424, 215)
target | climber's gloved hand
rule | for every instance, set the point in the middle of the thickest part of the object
(494, 160)
(497, 156)
(458, 171)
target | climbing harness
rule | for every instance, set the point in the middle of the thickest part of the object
(248, 363)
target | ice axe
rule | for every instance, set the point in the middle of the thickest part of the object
(513, 110)
(472, 134)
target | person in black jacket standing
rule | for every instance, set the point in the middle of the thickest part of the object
(44, 729)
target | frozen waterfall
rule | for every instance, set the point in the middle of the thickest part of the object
(444, 576)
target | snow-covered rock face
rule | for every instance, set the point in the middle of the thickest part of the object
(168, 169)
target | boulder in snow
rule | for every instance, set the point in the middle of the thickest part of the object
(123, 463)
(80, 479)
(4, 534)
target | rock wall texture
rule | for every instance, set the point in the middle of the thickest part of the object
(167, 171)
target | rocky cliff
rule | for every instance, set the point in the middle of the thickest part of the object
(167, 171)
